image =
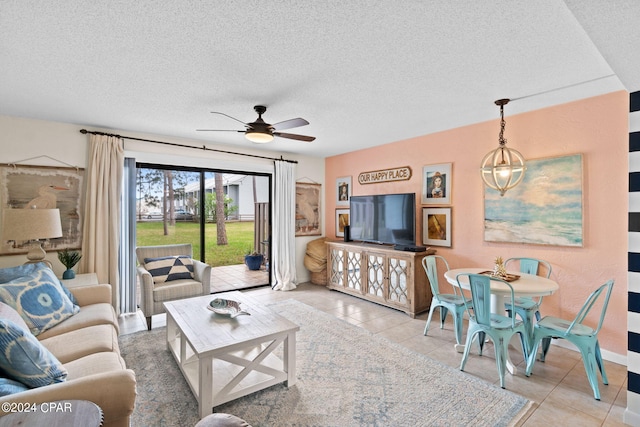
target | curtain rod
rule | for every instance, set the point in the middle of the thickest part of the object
(205, 148)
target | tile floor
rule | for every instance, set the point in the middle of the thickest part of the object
(559, 388)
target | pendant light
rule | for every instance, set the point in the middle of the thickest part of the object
(502, 168)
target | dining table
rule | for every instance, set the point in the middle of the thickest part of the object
(524, 285)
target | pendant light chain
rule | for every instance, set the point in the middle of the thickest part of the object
(503, 124)
(501, 139)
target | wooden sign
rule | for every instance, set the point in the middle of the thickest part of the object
(385, 175)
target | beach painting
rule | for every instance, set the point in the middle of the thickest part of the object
(544, 209)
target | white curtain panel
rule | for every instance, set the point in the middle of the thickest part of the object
(284, 237)
(101, 229)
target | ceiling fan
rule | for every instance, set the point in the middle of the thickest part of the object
(262, 132)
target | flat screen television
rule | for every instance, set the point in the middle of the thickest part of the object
(383, 218)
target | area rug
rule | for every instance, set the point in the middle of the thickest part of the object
(346, 376)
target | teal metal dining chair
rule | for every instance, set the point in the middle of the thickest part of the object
(582, 336)
(454, 303)
(483, 322)
(527, 307)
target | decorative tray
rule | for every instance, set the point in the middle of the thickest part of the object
(226, 307)
(507, 278)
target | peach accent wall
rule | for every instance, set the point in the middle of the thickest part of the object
(596, 127)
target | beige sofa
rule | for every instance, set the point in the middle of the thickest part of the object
(87, 345)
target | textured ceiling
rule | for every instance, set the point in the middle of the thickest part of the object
(362, 72)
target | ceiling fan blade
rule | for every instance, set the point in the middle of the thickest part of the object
(226, 115)
(291, 123)
(294, 136)
(219, 130)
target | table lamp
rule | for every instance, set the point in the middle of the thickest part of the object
(32, 225)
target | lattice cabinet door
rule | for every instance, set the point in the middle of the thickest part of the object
(337, 266)
(376, 275)
(400, 273)
(354, 278)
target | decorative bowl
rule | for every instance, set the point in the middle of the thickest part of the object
(226, 307)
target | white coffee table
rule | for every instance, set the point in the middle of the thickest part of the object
(225, 358)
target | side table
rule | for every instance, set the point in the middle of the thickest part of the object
(81, 280)
(63, 413)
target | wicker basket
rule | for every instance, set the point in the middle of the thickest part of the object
(319, 278)
(315, 259)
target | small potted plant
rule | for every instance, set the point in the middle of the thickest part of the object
(69, 259)
(253, 259)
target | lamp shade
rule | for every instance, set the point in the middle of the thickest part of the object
(31, 224)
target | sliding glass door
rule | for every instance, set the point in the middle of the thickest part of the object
(223, 214)
(164, 214)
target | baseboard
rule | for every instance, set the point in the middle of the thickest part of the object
(606, 354)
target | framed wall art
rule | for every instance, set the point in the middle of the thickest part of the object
(436, 184)
(308, 214)
(342, 219)
(343, 190)
(546, 208)
(44, 187)
(436, 226)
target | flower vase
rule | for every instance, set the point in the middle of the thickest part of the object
(69, 274)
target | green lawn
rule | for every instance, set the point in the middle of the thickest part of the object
(239, 235)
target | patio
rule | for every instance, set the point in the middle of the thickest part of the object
(236, 277)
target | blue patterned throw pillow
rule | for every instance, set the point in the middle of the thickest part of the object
(165, 269)
(8, 274)
(8, 387)
(39, 299)
(24, 359)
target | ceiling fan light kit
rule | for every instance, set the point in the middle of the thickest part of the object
(502, 168)
(262, 132)
(258, 137)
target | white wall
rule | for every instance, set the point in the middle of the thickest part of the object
(22, 138)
